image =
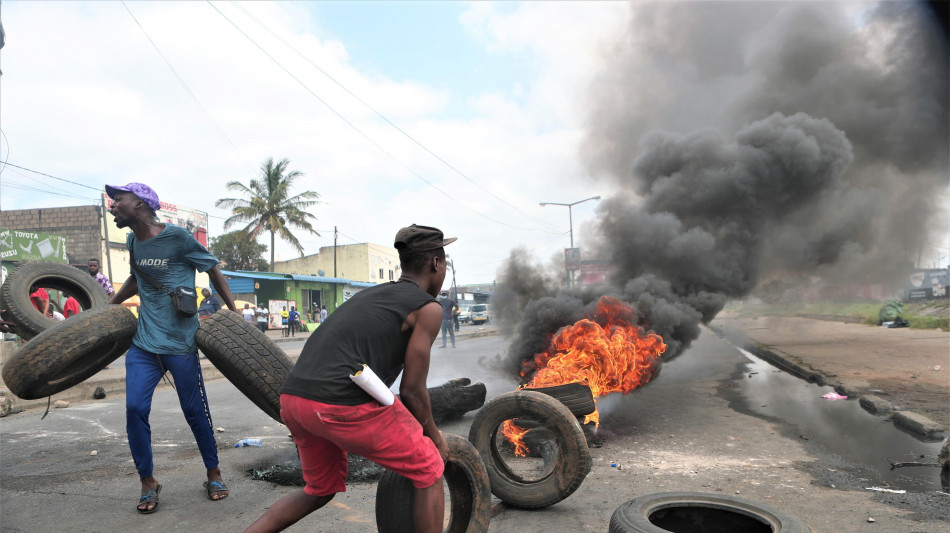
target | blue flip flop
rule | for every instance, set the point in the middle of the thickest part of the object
(149, 497)
(215, 486)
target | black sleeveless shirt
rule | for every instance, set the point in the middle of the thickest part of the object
(365, 329)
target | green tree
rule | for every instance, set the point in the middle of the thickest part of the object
(268, 206)
(237, 251)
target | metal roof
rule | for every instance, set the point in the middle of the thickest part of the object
(278, 276)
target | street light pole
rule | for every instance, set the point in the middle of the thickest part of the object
(570, 219)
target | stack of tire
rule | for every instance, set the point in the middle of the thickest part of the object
(59, 355)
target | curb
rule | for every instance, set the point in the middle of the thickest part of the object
(916, 423)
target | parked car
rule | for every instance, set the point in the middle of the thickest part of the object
(480, 314)
(466, 314)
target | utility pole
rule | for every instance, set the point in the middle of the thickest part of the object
(334, 251)
(570, 219)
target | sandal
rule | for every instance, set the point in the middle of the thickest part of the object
(149, 497)
(215, 486)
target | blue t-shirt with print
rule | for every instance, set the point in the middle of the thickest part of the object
(170, 258)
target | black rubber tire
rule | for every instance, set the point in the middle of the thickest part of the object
(726, 513)
(250, 360)
(572, 463)
(15, 293)
(469, 493)
(576, 396)
(69, 352)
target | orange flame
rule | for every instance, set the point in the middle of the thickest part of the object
(515, 435)
(608, 352)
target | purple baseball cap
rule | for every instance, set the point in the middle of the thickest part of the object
(143, 191)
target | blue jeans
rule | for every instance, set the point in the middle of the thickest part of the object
(447, 325)
(143, 371)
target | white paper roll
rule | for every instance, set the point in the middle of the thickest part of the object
(370, 382)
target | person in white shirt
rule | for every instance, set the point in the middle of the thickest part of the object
(248, 313)
(262, 317)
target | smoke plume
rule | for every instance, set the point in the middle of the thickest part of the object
(750, 140)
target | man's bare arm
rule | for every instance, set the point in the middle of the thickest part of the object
(221, 287)
(412, 389)
(129, 289)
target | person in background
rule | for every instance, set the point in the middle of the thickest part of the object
(323, 314)
(293, 320)
(455, 317)
(93, 266)
(248, 313)
(164, 340)
(391, 328)
(40, 299)
(448, 309)
(209, 305)
(262, 317)
(70, 307)
(284, 322)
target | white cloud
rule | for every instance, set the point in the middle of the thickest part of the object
(87, 98)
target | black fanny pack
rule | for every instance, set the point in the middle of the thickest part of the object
(184, 299)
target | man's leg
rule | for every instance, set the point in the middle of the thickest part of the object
(194, 404)
(142, 373)
(452, 333)
(444, 328)
(288, 511)
(429, 508)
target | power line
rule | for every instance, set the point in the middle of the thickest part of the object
(384, 118)
(49, 176)
(359, 131)
(191, 93)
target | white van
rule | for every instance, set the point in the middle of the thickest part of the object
(480, 314)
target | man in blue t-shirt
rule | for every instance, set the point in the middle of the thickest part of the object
(164, 340)
(293, 320)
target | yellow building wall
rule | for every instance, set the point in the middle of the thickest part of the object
(356, 262)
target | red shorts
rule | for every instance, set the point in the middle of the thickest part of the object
(387, 435)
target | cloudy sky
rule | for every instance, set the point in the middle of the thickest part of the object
(459, 115)
(487, 98)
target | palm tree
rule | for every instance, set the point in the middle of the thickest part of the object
(268, 205)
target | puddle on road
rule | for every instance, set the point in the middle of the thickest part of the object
(841, 426)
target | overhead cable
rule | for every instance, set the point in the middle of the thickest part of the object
(359, 131)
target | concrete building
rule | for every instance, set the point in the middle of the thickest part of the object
(365, 262)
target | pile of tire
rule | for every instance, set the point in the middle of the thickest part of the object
(59, 355)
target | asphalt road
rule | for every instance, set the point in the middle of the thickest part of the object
(689, 430)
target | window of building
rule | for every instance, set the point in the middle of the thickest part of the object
(390, 275)
(380, 273)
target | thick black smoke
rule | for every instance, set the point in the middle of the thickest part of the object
(750, 140)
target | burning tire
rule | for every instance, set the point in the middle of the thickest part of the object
(689, 511)
(469, 493)
(15, 293)
(247, 357)
(69, 352)
(576, 396)
(567, 460)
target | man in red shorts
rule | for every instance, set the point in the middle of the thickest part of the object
(391, 328)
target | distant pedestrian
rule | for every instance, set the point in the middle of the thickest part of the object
(448, 309)
(40, 299)
(262, 317)
(209, 306)
(293, 320)
(70, 307)
(284, 322)
(323, 314)
(248, 313)
(93, 266)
